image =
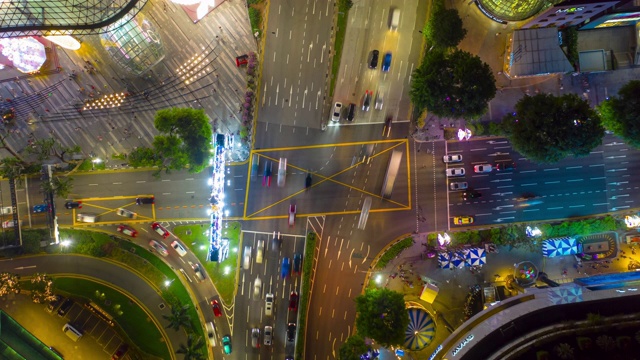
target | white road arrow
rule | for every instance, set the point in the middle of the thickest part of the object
(25, 267)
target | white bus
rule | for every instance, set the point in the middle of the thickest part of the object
(392, 172)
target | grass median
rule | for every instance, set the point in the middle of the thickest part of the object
(222, 274)
(341, 31)
(305, 292)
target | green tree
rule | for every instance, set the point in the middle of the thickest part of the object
(144, 157)
(179, 318)
(382, 316)
(193, 349)
(344, 5)
(444, 29)
(59, 186)
(186, 138)
(621, 114)
(11, 167)
(456, 84)
(49, 148)
(352, 348)
(546, 128)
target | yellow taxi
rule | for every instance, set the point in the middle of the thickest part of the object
(463, 220)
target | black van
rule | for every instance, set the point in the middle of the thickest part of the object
(352, 112)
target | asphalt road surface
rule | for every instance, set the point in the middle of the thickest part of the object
(601, 182)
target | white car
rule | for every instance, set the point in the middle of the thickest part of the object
(211, 333)
(268, 304)
(337, 108)
(454, 186)
(292, 215)
(178, 248)
(246, 261)
(484, 168)
(452, 158)
(455, 171)
(126, 213)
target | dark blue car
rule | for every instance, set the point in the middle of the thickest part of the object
(386, 63)
(286, 268)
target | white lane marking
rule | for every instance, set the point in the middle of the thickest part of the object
(555, 208)
(574, 167)
(554, 169)
(574, 180)
(530, 184)
(551, 182)
(117, 183)
(93, 184)
(140, 182)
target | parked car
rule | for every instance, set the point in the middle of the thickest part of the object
(455, 172)
(366, 100)
(373, 62)
(215, 306)
(337, 108)
(454, 186)
(64, 307)
(40, 208)
(292, 215)
(145, 200)
(226, 344)
(127, 230)
(293, 301)
(463, 220)
(179, 248)
(70, 204)
(452, 158)
(285, 268)
(159, 248)
(484, 168)
(120, 352)
(386, 63)
(126, 213)
(160, 230)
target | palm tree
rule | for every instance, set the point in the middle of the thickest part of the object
(178, 318)
(193, 349)
(606, 343)
(61, 187)
(564, 351)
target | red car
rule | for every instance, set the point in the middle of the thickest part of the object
(160, 230)
(215, 305)
(128, 230)
(293, 301)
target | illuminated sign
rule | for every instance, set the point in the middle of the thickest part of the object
(435, 352)
(570, 10)
(462, 344)
(488, 14)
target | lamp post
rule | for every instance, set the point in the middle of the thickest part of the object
(64, 244)
(94, 162)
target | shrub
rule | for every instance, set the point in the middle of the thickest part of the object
(255, 18)
(394, 251)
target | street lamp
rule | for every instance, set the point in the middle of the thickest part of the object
(64, 244)
(94, 162)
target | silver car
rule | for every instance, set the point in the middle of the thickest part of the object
(268, 334)
(366, 100)
(337, 108)
(455, 172)
(458, 186)
(452, 158)
(255, 338)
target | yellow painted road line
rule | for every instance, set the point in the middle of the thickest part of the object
(330, 178)
(319, 146)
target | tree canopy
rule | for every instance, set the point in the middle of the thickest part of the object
(382, 316)
(352, 348)
(444, 29)
(184, 141)
(621, 114)
(546, 128)
(456, 84)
